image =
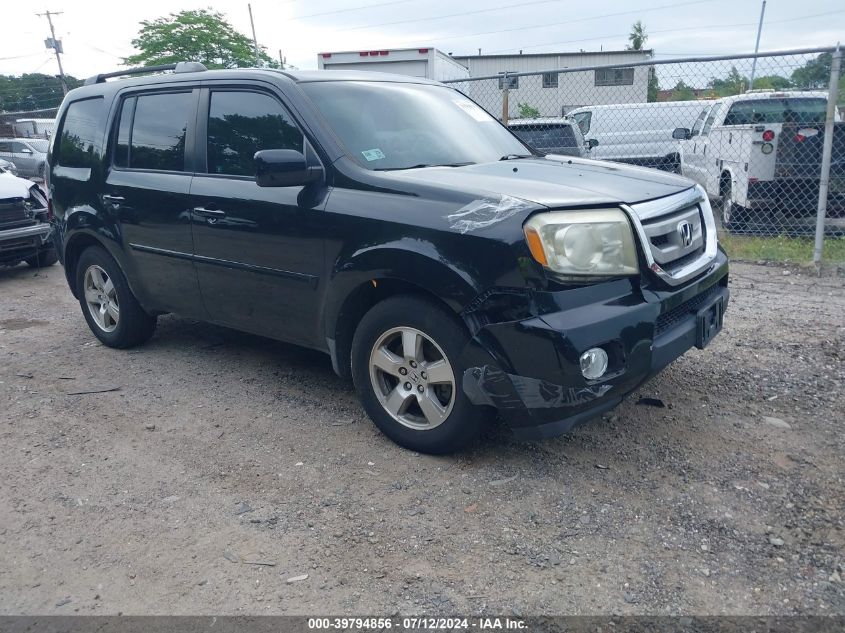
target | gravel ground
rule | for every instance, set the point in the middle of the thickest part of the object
(229, 474)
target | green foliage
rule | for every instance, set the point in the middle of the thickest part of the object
(733, 84)
(32, 91)
(781, 248)
(682, 92)
(527, 111)
(653, 86)
(815, 74)
(773, 82)
(198, 36)
(637, 37)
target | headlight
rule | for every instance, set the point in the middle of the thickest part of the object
(594, 243)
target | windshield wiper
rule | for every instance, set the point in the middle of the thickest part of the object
(421, 165)
(515, 156)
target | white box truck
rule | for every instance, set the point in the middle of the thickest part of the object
(428, 62)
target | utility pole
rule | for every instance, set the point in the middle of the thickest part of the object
(281, 60)
(254, 40)
(757, 45)
(55, 44)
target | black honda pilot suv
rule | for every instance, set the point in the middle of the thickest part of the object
(448, 269)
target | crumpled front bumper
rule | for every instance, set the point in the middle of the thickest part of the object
(529, 370)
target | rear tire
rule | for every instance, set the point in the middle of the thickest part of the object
(407, 372)
(108, 305)
(43, 259)
(734, 217)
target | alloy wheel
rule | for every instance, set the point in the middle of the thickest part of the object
(101, 298)
(412, 378)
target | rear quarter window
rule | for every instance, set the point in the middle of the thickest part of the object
(82, 133)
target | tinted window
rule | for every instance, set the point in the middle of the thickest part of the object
(157, 138)
(240, 124)
(81, 132)
(777, 111)
(546, 137)
(121, 154)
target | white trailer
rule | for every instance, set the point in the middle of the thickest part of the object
(429, 63)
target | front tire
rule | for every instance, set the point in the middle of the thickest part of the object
(407, 373)
(110, 309)
(43, 259)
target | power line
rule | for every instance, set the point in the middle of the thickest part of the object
(365, 6)
(569, 21)
(691, 28)
(449, 15)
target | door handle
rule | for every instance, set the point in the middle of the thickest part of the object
(209, 213)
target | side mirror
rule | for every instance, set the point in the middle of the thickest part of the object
(681, 133)
(284, 168)
(591, 143)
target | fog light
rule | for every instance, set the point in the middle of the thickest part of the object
(593, 363)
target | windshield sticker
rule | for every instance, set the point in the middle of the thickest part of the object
(485, 212)
(373, 154)
(471, 109)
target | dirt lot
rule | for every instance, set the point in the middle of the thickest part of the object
(220, 452)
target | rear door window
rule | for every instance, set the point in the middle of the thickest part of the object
(241, 123)
(82, 133)
(152, 131)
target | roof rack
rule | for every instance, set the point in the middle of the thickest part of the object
(181, 67)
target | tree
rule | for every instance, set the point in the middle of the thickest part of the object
(32, 91)
(682, 92)
(773, 82)
(197, 36)
(637, 37)
(527, 111)
(653, 85)
(733, 84)
(815, 74)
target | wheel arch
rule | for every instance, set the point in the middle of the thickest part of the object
(73, 249)
(360, 285)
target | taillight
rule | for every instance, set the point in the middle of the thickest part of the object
(799, 138)
(768, 135)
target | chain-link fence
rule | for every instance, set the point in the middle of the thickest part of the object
(750, 129)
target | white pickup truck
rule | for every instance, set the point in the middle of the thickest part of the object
(759, 154)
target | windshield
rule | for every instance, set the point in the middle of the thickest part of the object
(391, 125)
(797, 110)
(38, 145)
(545, 136)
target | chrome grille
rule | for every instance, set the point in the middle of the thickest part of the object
(678, 234)
(668, 235)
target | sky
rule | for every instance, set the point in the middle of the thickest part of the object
(96, 35)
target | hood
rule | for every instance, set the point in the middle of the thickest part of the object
(13, 187)
(552, 181)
